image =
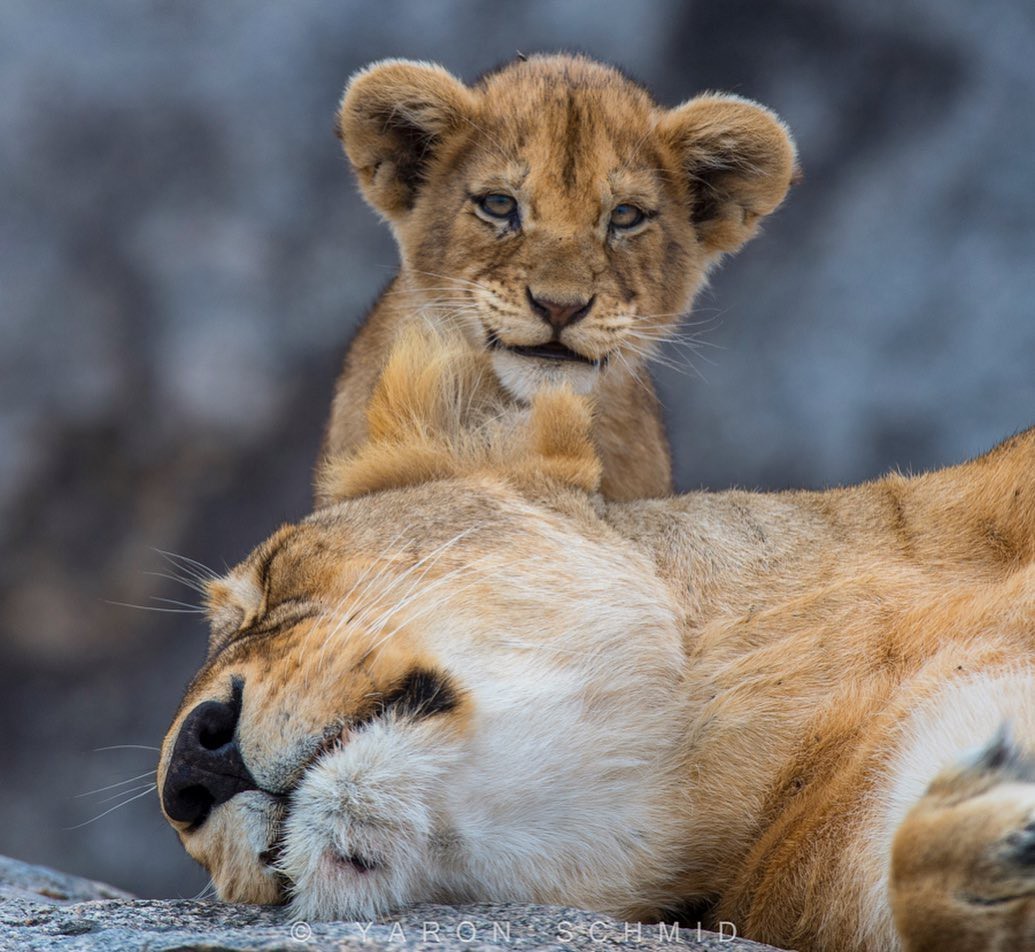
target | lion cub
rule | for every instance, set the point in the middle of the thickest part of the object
(562, 220)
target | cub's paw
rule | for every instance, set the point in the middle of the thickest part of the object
(963, 860)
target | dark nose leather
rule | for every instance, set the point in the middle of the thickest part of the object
(557, 315)
(206, 767)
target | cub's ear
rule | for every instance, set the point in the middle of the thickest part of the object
(393, 118)
(740, 161)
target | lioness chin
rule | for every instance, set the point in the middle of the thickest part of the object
(562, 220)
(471, 678)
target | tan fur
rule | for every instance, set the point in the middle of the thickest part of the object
(569, 139)
(825, 639)
(429, 418)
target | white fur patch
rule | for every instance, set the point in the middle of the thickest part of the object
(524, 377)
(560, 784)
(963, 718)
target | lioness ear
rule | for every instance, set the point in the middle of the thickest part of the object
(393, 117)
(740, 160)
(232, 602)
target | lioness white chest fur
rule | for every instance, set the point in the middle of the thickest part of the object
(473, 679)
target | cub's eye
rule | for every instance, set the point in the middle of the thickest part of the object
(626, 216)
(497, 205)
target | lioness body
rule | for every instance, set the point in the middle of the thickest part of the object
(842, 648)
(606, 214)
(765, 705)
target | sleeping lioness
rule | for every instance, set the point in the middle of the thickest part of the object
(562, 220)
(471, 678)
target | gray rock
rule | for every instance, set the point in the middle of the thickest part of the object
(20, 880)
(44, 909)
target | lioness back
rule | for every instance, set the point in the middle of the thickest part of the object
(562, 220)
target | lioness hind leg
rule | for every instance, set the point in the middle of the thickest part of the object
(963, 860)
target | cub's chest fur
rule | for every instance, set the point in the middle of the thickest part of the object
(562, 221)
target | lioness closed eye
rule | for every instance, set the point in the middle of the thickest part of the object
(471, 679)
(563, 220)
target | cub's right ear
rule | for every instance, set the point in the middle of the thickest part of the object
(739, 160)
(394, 117)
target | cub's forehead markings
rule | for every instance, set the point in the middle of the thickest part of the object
(513, 174)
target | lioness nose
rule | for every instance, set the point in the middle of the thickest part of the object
(206, 767)
(558, 315)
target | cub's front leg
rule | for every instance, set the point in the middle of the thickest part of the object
(963, 860)
(629, 434)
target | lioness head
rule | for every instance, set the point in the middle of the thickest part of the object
(439, 688)
(553, 209)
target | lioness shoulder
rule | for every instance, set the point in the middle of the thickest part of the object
(562, 220)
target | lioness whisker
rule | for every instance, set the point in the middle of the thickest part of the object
(173, 601)
(377, 625)
(121, 793)
(118, 806)
(434, 556)
(189, 583)
(154, 608)
(185, 563)
(205, 891)
(363, 575)
(431, 606)
(112, 786)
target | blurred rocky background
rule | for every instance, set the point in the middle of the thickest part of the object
(183, 258)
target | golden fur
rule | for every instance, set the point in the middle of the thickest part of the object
(781, 708)
(568, 140)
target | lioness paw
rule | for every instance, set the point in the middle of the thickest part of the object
(963, 861)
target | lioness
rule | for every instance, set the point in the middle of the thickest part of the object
(563, 220)
(472, 678)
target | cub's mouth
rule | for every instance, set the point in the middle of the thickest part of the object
(551, 350)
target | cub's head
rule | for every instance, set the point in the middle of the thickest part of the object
(448, 684)
(553, 209)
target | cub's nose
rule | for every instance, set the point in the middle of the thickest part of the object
(558, 315)
(206, 767)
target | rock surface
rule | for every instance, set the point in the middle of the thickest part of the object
(43, 909)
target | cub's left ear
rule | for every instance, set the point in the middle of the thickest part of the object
(739, 159)
(394, 118)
